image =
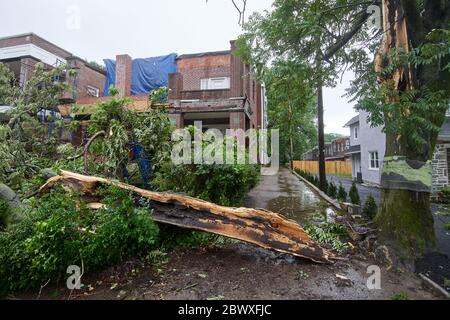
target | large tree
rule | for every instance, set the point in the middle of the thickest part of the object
(405, 89)
(319, 33)
(291, 108)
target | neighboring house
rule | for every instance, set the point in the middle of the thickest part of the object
(22, 52)
(367, 148)
(335, 150)
(216, 88)
(441, 158)
(368, 145)
(339, 147)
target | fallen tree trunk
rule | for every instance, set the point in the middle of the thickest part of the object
(263, 228)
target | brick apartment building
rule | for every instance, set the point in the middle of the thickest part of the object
(217, 89)
(22, 52)
(213, 87)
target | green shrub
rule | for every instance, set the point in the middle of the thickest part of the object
(444, 195)
(354, 195)
(370, 208)
(222, 184)
(328, 233)
(57, 233)
(5, 214)
(342, 194)
(332, 190)
(400, 296)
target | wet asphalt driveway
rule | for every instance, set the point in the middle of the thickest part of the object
(284, 194)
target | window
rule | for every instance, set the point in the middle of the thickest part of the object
(92, 91)
(215, 83)
(374, 160)
(356, 133)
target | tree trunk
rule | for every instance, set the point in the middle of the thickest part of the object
(405, 218)
(322, 173)
(260, 227)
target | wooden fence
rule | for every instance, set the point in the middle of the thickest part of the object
(331, 167)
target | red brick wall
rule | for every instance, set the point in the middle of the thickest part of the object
(197, 68)
(87, 76)
(36, 40)
(124, 67)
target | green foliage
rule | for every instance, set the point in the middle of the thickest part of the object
(222, 184)
(57, 233)
(5, 214)
(328, 233)
(8, 92)
(124, 126)
(354, 194)
(400, 296)
(292, 108)
(332, 190)
(444, 195)
(370, 208)
(329, 137)
(25, 146)
(447, 226)
(341, 194)
(160, 96)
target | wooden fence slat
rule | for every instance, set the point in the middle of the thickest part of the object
(331, 167)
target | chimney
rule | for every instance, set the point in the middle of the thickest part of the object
(175, 85)
(237, 73)
(124, 65)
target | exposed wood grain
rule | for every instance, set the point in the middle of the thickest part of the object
(263, 228)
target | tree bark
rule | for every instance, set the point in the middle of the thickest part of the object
(405, 218)
(260, 227)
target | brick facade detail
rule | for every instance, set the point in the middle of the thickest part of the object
(124, 68)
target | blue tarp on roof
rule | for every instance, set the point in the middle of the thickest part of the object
(147, 75)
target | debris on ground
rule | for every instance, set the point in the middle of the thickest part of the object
(260, 227)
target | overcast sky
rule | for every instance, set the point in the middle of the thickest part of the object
(144, 28)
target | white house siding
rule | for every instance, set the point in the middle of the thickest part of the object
(370, 139)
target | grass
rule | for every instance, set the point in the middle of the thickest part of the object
(400, 296)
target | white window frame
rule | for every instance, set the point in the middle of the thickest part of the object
(97, 91)
(208, 83)
(356, 133)
(376, 160)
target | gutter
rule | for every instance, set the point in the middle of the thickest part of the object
(319, 192)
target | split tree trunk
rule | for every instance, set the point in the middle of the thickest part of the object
(263, 228)
(404, 219)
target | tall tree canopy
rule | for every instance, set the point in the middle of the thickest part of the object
(402, 81)
(291, 108)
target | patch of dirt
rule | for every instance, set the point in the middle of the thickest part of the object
(236, 271)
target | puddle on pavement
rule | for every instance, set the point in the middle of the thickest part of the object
(301, 208)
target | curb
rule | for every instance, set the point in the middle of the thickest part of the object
(437, 288)
(322, 194)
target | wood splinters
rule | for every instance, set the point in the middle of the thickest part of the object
(263, 228)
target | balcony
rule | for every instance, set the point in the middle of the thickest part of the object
(205, 94)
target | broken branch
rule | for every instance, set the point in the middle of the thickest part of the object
(263, 228)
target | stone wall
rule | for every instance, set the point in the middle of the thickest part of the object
(440, 167)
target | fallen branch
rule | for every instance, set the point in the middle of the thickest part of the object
(263, 228)
(86, 148)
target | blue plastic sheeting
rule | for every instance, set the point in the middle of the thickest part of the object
(144, 163)
(148, 74)
(110, 75)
